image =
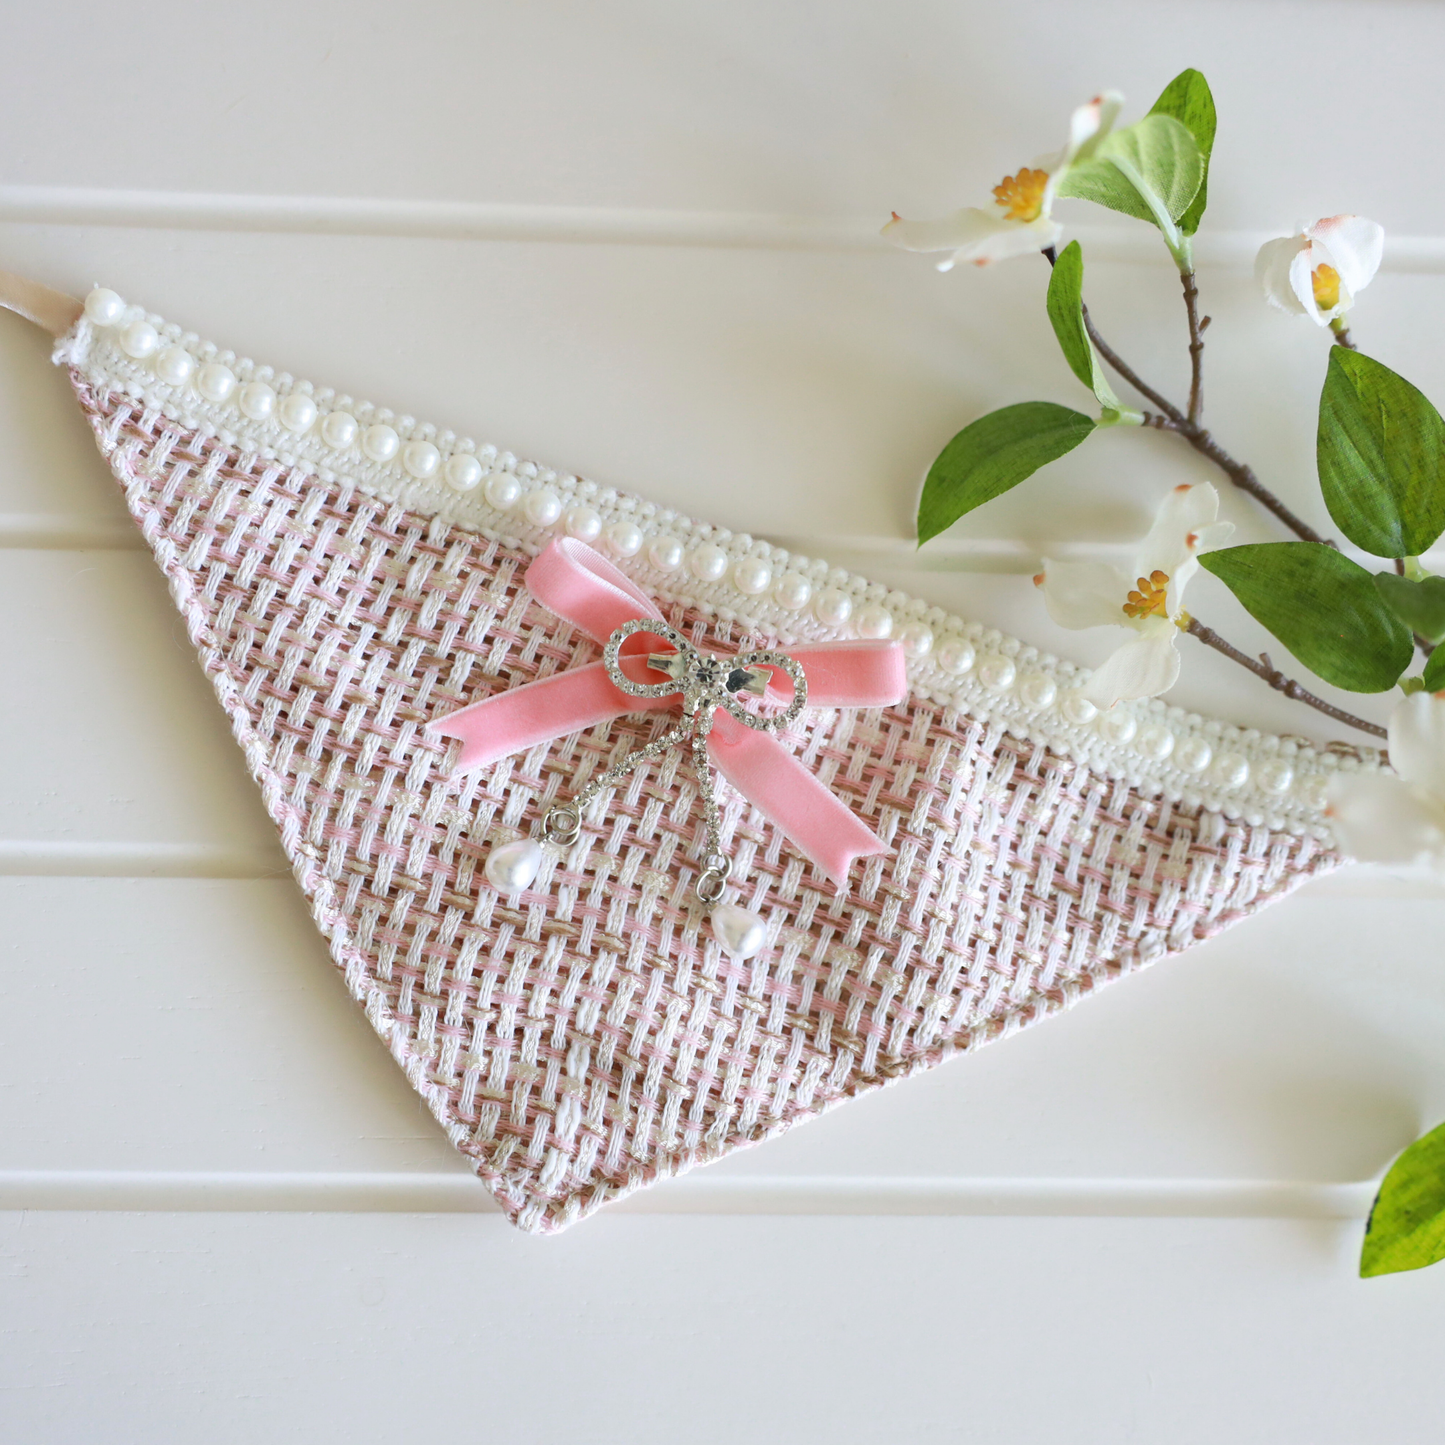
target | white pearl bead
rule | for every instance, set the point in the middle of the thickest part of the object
(583, 523)
(874, 623)
(339, 430)
(708, 563)
(503, 489)
(543, 507)
(1155, 741)
(832, 607)
(421, 459)
(1118, 726)
(1193, 755)
(1037, 690)
(740, 931)
(174, 365)
(514, 866)
(139, 339)
(215, 382)
(1276, 776)
(380, 442)
(996, 672)
(1230, 770)
(792, 591)
(1077, 708)
(624, 539)
(103, 308)
(256, 400)
(297, 411)
(917, 641)
(665, 554)
(1313, 789)
(462, 472)
(751, 575)
(956, 656)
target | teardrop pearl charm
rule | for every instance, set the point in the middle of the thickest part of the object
(741, 932)
(513, 866)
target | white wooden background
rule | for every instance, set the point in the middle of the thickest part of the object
(637, 240)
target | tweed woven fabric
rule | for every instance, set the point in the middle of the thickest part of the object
(590, 1037)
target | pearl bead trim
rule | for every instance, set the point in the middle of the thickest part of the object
(1157, 749)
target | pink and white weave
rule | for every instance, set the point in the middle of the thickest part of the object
(588, 1037)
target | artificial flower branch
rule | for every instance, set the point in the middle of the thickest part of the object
(1379, 452)
(1265, 670)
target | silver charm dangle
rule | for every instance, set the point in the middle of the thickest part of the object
(706, 683)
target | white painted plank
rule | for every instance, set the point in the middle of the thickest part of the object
(114, 735)
(809, 107)
(169, 1329)
(192, 1025)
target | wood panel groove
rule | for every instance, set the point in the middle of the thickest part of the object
(580, 225)
(203, 1191)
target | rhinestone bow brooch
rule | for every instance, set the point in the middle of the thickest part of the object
(724, 734)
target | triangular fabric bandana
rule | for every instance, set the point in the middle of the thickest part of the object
(349, 576)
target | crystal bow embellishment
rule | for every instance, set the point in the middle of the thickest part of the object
(582, 587)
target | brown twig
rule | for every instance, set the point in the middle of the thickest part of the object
(1129, 374)
(1268, 672)
(1196, 348)
(1342, 334)
(1240, 473)
(1172, 419)
(1243, 477)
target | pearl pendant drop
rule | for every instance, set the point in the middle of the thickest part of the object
(740, 931)
(514, 866)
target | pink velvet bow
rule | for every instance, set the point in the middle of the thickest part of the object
(580, 585)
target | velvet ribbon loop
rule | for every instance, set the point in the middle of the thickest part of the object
(582, 587)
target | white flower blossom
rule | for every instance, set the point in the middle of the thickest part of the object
(1399, 817)
(1319, 271)
(1021, 219)
(1147, 599)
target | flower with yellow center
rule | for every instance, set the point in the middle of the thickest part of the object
(1325, 283)
(1020, 221)
(1151, 598)
(1319, 271)
(1022, 196)
(1146, 598)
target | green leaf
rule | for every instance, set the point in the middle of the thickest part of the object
(1434, 675)
(1406, 1229)
(1151, 170)
(1381, 454)
(1066, 311)
(1323, 607)
(1419, 605)
(994, 454)
(1187, 98)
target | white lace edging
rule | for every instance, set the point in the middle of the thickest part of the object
(1157, 749)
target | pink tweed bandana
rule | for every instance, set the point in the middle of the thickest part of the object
(348, 576)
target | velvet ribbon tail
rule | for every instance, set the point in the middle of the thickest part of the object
(820, 825)
(541, 712)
